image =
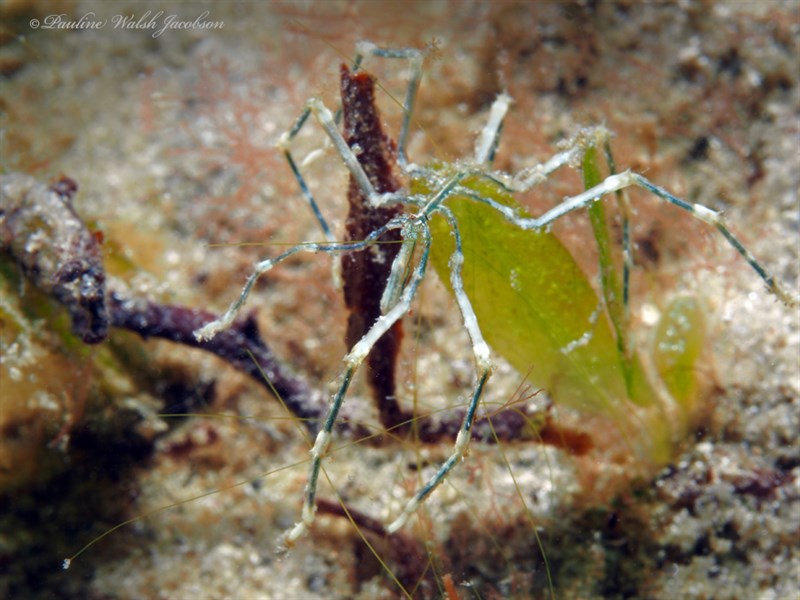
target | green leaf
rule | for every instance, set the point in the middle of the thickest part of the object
(609, 278)
(536, 307)
(678, 344)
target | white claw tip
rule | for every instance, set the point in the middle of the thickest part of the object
(207, 332)
(298, 531)
(66, 564)
(397, 524)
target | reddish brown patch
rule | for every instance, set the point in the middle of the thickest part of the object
(760, 483)
(406, 558)
(573, 441)
(450, 587)
(366, 272)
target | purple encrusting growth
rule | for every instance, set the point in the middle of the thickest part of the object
(41, 231)
(241, 346)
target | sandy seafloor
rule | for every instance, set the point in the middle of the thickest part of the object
(170, 138)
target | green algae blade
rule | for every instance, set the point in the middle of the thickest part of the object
(609, 277)
(679, 341)
(536, 307)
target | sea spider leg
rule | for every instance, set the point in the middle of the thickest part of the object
(325, 118)
(626, 179)
(415, 58)
(412, 231)
(483, 364)
(283, 145)
(328, 122)
(486, 144)
(211, 329)
(615, 183)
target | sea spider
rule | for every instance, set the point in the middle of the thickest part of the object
(405, 216)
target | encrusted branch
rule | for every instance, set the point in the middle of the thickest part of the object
(240, 345)
(42, 231)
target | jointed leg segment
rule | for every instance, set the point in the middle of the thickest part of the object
(483, 364)
(412, 231)
(210, 330)
(621, 181)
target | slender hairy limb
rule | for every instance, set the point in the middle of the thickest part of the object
(613, 184)
(413, 230)
(486, 144)
(213, 328)
(714, 218)
(283, 145)
(329, 123)
(483, 364)
(415, 58)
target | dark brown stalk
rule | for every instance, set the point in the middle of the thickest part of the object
(365, 273)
